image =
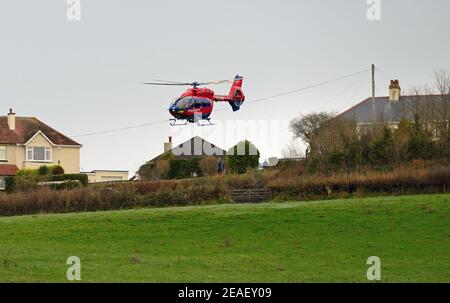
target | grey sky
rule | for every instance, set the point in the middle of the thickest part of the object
(82, 77)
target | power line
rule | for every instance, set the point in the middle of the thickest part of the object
(251, 101)
(308, 87)
(360, 80)
(121, 129)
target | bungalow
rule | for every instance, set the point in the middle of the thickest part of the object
(104, 176)
(194, 148)
(390, 110)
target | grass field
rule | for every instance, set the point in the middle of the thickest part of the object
(276, 242)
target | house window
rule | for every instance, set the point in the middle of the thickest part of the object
(2, 153)
(40, 154)
(2, 183)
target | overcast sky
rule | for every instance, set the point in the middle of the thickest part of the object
(84, 76)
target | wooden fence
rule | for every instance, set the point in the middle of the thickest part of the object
(250, 195)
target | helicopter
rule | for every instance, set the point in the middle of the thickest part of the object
(196, 104)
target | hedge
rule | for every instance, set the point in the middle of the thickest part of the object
(83, 178)
(16, 183)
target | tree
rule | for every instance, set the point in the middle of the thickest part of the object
(242, 156)
(442, 84)
(156, 169)
(293, 150)
(382, 148)
(307, 126)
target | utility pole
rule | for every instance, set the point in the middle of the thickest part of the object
(373, 93)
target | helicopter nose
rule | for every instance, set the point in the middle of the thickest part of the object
(175, 111)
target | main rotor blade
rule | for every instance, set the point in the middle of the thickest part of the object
(176, 84)
(216, 82)
(168, 81)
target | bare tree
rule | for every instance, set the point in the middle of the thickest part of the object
(307, 126)
(432, 108)
(293, 150)
(442, 84)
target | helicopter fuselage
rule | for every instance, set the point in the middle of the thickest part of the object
(197, 103)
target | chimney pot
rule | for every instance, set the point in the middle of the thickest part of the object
(394, 90)
(168, 145)
(11, 120)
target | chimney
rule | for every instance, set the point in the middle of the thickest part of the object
(394, 91)
(11, 120)
(168, 145)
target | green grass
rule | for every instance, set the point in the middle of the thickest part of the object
(276, 242)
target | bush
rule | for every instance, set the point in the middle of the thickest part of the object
(242, 156)
(82, 178)
(285, 184)
(57, 170)
(156, 170)
(208, 166)
(25, 183)
(397, 181)
(184, 168)
(68, 184)
(27, 172)
(43, 170)
(10, 183)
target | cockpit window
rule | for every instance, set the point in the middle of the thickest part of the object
(183, 103)
(189, 102)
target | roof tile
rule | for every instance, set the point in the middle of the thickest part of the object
(26, 128)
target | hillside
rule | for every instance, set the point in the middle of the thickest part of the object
(279, 242)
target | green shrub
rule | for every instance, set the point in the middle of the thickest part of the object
(242, 156)
(57, 170)
(25, 183)
(43, 170)
(184, 168)
(83, 178)
(27, 172)
(10, 183)
(68, 184)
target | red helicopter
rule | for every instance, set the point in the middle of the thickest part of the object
(196, 104)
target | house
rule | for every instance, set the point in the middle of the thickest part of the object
(99, 175)
(194, 148)
(390, 110)
(26, 142)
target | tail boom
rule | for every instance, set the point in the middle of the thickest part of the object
(236, 96)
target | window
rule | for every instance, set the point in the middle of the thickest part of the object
(201, 102)
(183, 103)
(2, 153)
(40, 154)
(2, 183)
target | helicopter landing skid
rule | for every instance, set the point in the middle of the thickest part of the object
(174, 122)
(208, 122)
(178, 122)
